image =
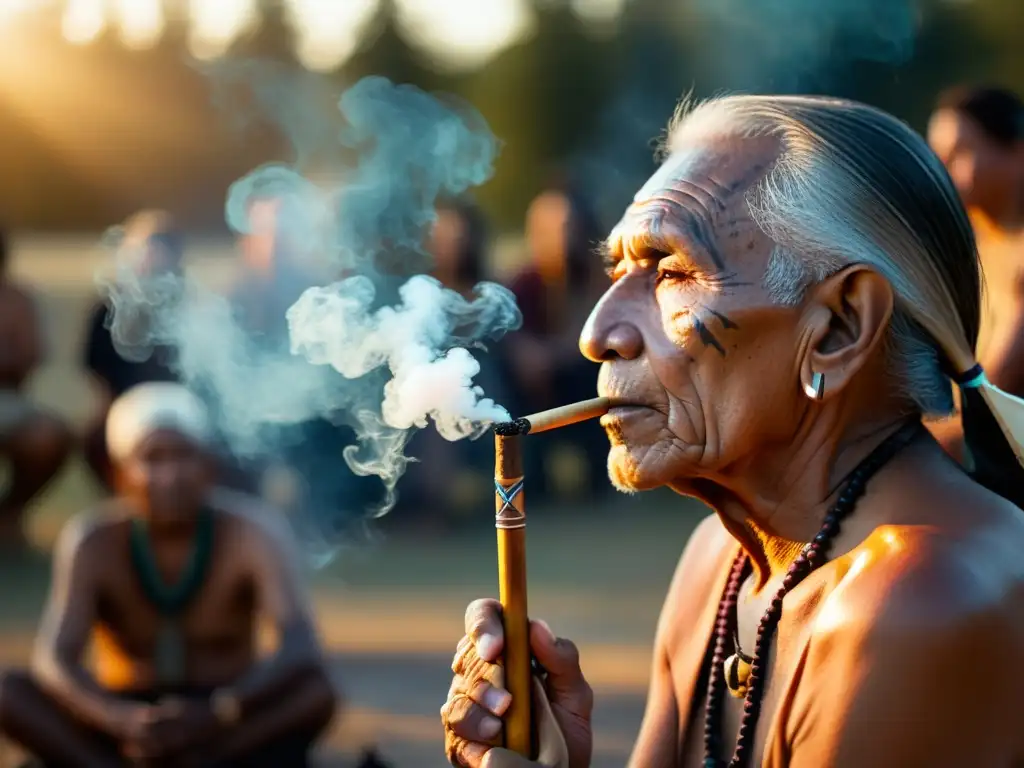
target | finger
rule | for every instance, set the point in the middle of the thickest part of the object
(503, 758)
(468, 720)
(463, 753)
(460, 650)
(561, 660)
(472, 667)
(483, 624)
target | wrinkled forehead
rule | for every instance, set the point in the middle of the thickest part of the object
(696, 185)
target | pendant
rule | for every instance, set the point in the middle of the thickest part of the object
(169, 655)
(737, 673)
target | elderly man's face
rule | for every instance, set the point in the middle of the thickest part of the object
(688, 337)
(168, 474)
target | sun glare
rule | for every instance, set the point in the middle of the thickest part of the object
(83, 21)
(217, 24)
(461, 34)
(141, 22)
(328, 31)
(454, 34)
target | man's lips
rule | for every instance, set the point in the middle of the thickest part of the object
(622, 409)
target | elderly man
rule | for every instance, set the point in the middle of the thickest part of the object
(791, 292)
(168, 580)
(979, 134)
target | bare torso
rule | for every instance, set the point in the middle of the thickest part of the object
(952, 552)
(218, 625)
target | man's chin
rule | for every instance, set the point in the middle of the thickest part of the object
(628, 475)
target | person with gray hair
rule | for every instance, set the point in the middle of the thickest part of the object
(171, 578)
(794, 290)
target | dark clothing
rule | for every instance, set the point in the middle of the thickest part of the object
(293, 751)
(119, 375)
(573, 378)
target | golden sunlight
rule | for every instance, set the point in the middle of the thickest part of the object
(216, 25)
(328, 31)
(141, 22)
(83, 21)
(460, 34)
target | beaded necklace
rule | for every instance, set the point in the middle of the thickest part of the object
(810, 558)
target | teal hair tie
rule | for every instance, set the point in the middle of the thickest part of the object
(972, 378)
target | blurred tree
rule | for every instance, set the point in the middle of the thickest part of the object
(115, 129)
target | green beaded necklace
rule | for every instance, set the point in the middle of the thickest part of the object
(170, 600)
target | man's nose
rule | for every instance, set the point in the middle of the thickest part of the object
(610, 332)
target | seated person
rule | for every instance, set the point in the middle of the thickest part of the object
(33, 443)
(169, 578)
(161, 247)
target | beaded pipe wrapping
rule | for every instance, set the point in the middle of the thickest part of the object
(510, 522)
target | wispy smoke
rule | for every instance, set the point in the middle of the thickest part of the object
(374, 345)
(806, 45)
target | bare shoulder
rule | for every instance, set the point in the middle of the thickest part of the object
(92, 536)
(17, 297)
(954, 578)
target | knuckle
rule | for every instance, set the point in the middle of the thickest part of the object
(570, 652)
(481, 615)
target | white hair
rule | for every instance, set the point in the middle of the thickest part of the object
(854, 184)
(147, 408)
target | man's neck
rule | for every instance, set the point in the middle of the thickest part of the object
(777, 503)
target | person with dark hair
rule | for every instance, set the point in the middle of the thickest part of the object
(34, 443)
(458, 244)
(160, 245)
(555, 292)
(978, 133)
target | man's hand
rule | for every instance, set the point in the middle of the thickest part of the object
(168, 729)
(476, 699)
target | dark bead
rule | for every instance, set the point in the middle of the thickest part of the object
(821, 538)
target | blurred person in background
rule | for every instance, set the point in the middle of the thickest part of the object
(169, 579)
(306, 471)
(160, 246)
(555, 292)
(34, 443)
(978, 133)
(457, 476)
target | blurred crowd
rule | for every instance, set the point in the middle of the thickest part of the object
(978, 133)
(535, 368)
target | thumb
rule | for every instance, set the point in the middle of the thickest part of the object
(552, 750)
(559, 657)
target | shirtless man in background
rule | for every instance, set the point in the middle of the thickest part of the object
(978, 133)
(34, 443)
(168, 580)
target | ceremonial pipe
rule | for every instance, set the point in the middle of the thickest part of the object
(510, 521)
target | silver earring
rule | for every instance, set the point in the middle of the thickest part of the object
(816, 389)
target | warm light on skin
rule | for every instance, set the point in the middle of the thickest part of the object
(141, 22)
(464, 33)
(83, 21)
(216, 25)
(328, 31)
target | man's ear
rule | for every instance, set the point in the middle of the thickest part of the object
(847, 315)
